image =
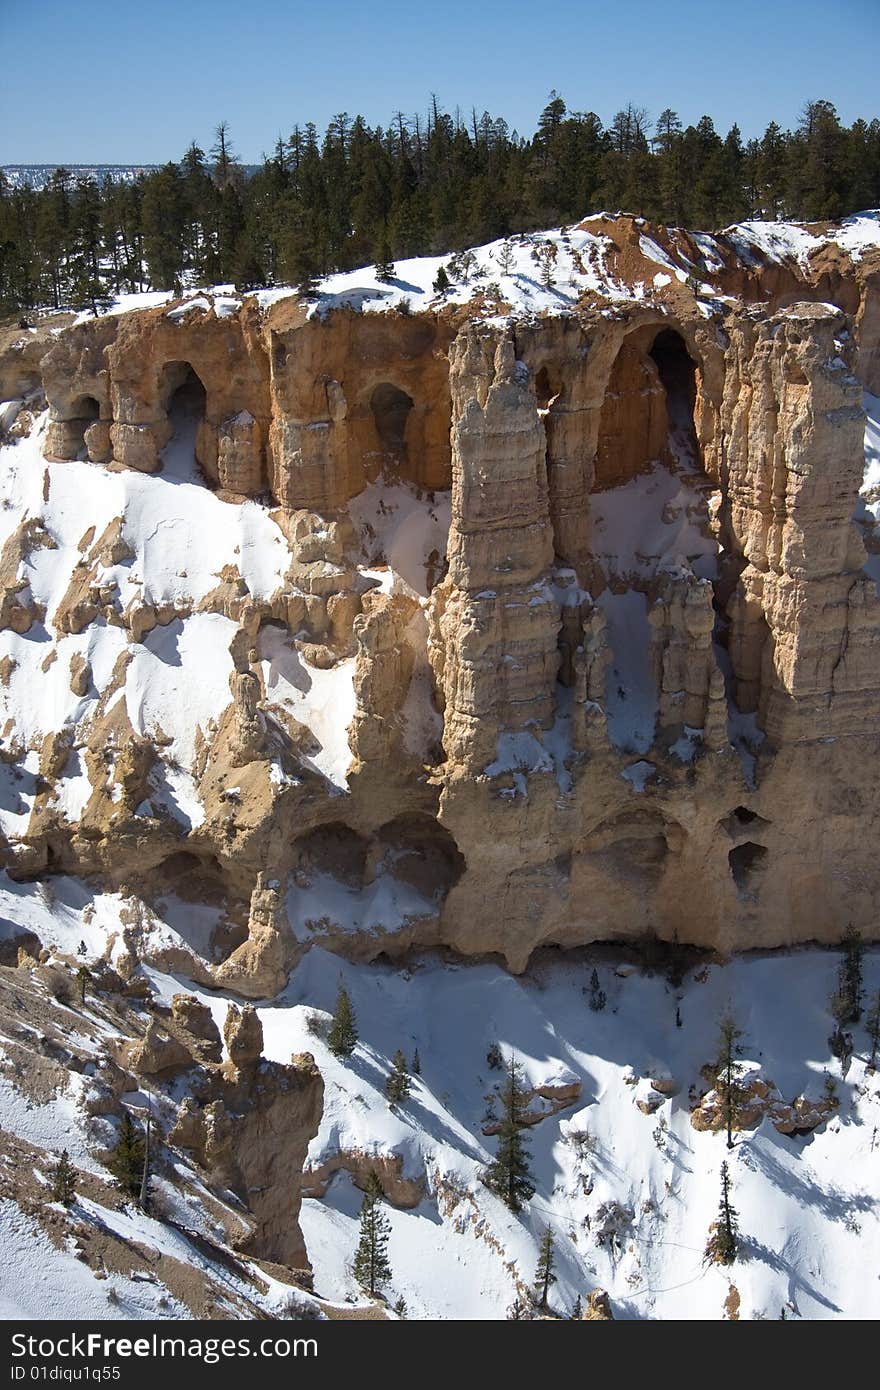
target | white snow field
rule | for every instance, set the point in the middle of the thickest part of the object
(629, 1196)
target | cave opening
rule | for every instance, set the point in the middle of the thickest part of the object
(747, 863)
(678, 375)
(648, 411)
(547, 388)
(182, 391)
(84, 411)
(391, 409)
(184, 398)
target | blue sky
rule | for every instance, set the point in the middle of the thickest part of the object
(136, 80)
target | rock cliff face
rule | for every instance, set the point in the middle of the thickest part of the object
(565, 612)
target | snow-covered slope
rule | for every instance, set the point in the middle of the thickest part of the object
(630, 1196)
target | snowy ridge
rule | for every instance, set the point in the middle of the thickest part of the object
(540, 272)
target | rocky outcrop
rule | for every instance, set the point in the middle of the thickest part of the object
(248, 1124)
(593, 716)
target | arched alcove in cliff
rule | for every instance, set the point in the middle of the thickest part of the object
(391, 409)
(648, 411)
(84, 411)
(182, 391)
(182, 395)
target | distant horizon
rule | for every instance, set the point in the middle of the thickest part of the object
(291, 63)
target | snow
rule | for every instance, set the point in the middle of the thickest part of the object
(807, 1213)
(630, 687)
(124, 303)
(639, 774)
(41, 1281)
(772, 241)
(200, 303)
(402, 529)
(178, 681)
(73, 789)
(870, 489)
(807, 1210)
(327, 906)
(578, 264)
(859, 233)
(322, 700)
(656, 521)
(653, 252)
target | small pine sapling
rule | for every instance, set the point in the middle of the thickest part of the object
(415, 1065)
(84, 979)
(64, 1182)
(723, 1241)
(400, 1307)
(342, 1034)
(505, 257)
(384, 264)
(371, 1265)
(577, 1311)
(494, 1057)
(872, 1023)
(598, 997)
(728, 1071)
(509, 1175)
(126, 1162)
(442, 283)
(846, 1001)
(398, 1085)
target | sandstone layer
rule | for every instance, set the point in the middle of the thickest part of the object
(629, 690)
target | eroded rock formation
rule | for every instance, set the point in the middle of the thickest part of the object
(563, 613)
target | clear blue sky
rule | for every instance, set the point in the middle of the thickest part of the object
(135, 80)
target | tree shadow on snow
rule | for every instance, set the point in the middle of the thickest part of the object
(751, 1249)
(831, 1202)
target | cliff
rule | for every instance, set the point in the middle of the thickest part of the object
(335, 622)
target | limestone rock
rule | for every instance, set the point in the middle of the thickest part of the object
(197, 1020)
(157, 1053)
(597, 1307)
(243, 1035)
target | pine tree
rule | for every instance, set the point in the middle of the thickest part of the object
(126, 1162)
(508, 1174)
(416, 1064)
(400, 1307)
(544, 1275)
(64, 1182)
(84, 979)
(724, 1235)
(398, 1085)
(342, 1034)
(727, 1072)
(384, 264)
(505, 257)
(371, 1267)
(872, 1023)
(846, 1002)
(441, 281)
(577, 1311)
(598, 997)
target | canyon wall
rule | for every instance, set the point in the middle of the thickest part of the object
(632, 693)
